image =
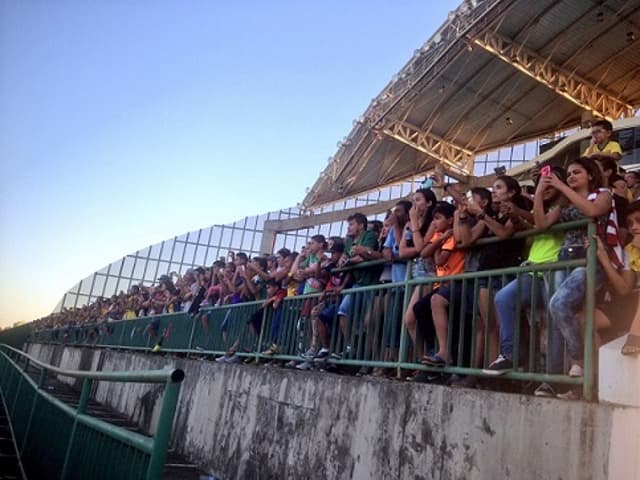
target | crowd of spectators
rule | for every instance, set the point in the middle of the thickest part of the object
(439, 238)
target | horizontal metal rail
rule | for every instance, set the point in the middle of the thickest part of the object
(374, 335)
(33, 409)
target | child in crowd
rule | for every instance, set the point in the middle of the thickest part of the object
(601, 142)
(632, 250)
(449, 260)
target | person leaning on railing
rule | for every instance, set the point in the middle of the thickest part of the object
(544, 249)
(359, 247)
(585, 199)
(502, 221)
(449, 260)
(323, 313)
(416, 236)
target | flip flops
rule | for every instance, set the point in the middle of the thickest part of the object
(434, 360)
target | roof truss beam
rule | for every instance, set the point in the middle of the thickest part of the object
(566, 84)
(449, 154)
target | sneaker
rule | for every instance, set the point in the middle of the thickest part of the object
(304, 366)
(222, 359)
(499, 366)
(576, 371)
(322, 354)
(232, 359)
(309, 354)
(363, 371)
(156, 348)
(545, 390)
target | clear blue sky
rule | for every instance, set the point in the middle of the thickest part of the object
(123, 123)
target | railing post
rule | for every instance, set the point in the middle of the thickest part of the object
(194, 321)
(165, 425)
(82, 408)
(402, 351)
(262, 327)
(590, 306)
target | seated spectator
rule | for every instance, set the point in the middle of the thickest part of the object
(601, 143)
(585, 199)
(632, 250)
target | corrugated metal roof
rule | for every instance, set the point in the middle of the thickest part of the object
(473, 99)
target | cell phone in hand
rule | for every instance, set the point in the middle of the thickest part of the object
(545, 171)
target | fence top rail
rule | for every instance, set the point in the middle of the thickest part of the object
(558, 227)
(174, 375)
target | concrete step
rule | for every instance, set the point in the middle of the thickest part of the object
(618, 375)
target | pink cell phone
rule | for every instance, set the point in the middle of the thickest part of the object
(545, 171)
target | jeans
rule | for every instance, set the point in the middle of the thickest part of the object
(564, 306)
(345, 305)
(505, 301)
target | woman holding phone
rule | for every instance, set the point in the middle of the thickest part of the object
(585, 199)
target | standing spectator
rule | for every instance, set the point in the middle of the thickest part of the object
(359, 247)
(449, 260)
(323, 314)
(544, 249)
(416, 235)
(507, 204)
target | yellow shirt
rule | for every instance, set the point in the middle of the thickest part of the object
(634, 257)
(610, 147)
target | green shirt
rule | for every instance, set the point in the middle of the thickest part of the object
(312, 284)
(369, 275)
(545, 247)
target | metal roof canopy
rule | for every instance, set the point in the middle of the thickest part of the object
(497, 72)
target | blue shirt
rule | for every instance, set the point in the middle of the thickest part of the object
(398, 269)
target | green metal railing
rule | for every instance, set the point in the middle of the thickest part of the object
(374, 336)
(55, 440)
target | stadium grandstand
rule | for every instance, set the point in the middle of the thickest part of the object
(504, 102)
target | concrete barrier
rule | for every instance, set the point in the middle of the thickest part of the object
(258, 422)
(618, 375)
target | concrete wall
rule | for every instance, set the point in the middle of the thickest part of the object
(260, 422)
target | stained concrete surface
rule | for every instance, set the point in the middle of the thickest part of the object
(259, 422)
